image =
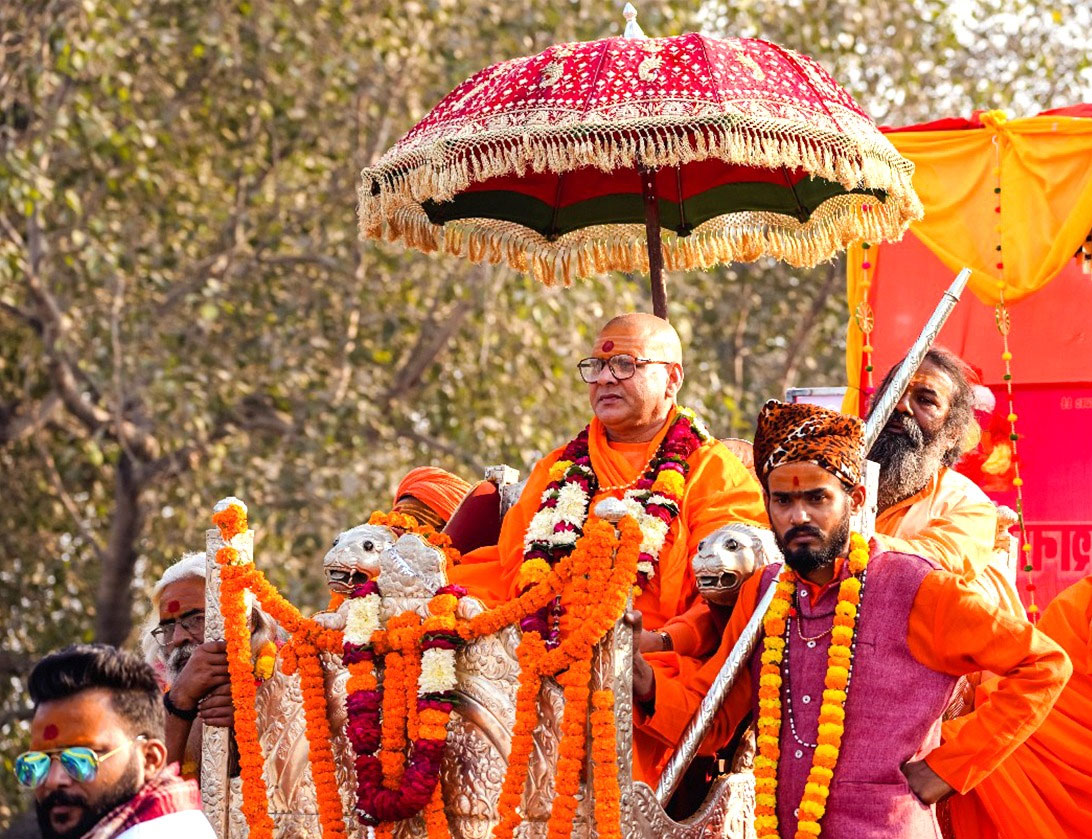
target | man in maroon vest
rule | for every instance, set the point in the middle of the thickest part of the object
(860, 653)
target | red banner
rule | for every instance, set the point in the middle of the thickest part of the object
(1051, 343)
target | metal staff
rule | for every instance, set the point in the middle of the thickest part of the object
(699, 723)
(741, 652)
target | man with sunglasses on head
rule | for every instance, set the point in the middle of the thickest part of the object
(98, 764)
(633, 375)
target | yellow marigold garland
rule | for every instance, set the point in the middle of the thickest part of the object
(831, 713)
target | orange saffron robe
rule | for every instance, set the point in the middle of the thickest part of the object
(719, 490)
(953, 522)
(1044, 789)
(950, 521)
(952, 630)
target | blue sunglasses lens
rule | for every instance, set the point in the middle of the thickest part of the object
(80, 762)
(31, 768)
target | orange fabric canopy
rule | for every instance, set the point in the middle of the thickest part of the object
(1042, 166)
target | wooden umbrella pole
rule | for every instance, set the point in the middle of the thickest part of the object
(652, 234)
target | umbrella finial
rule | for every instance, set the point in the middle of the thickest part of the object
(633, 28)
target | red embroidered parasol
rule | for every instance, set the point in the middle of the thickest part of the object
(568, 163)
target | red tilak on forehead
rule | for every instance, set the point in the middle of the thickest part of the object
(608, 346)
(795, 481)
(50, 732)
(172, 606)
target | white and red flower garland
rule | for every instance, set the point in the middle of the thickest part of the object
(383, 796)
(559, 522)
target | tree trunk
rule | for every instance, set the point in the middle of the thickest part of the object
(114, 601)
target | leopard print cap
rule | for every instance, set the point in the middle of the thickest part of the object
(796, 432)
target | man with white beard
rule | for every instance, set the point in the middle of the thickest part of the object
(194, 671)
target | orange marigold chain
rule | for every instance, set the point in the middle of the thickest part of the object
(611, 568)
(608, 796)
(831, 713)
(232, 522)
(320, 748)
(596, 579)
(529, 653)
(575, 603)
(243, 696)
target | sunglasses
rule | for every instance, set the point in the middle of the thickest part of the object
(80, 762)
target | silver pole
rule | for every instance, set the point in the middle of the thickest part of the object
(885, 407)
(741, 652)
(699, 723)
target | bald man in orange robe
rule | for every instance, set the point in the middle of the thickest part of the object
(1044, 789)
(632, 397)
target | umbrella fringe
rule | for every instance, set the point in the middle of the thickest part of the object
(441, 170)
(741, 237)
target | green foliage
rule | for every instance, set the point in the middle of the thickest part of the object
(186, 311)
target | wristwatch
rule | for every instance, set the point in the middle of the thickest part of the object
(667, 642)
(174, 710)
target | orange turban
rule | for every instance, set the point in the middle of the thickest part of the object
(796, 432)
(440, 491)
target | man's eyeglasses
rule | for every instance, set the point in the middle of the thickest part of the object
(80, 762)
(621, 366)
(193, 625)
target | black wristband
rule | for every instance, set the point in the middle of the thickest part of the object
(174, 710)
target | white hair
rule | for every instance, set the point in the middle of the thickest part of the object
(192, 566)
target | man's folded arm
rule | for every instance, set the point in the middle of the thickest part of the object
(953, 630)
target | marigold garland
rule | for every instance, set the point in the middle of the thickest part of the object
(416, 700)
(559, 523)
(232, 523)
(831, 713)
(605, 789)
(530, 652)
(412, 710)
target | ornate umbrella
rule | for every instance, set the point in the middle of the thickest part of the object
(568, 163)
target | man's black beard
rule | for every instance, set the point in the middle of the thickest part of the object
(907, 461)
(178, 657)
(126, 787)
(805, 560)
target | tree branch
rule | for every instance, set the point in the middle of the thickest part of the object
(430, 343)
(57, 482)
(15, 427)
(62, 370)
(113, 601)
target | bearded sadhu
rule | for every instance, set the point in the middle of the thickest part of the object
(640, 447)
(860, 653)
(925, 506)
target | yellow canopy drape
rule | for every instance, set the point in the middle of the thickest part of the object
(1043, 166)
